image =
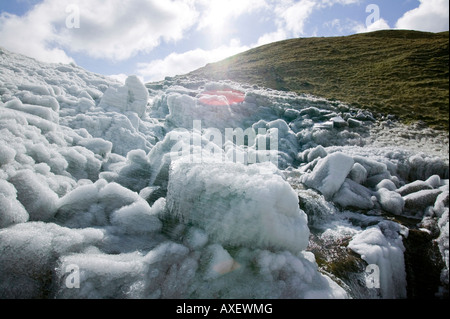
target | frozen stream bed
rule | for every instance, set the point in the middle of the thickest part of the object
(194, 189)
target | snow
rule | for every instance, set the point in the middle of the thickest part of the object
(192, 189)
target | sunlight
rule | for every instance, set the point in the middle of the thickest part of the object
(216, 19)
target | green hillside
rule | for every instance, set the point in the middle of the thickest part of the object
(399, 72)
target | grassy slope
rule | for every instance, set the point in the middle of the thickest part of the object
(405, 73)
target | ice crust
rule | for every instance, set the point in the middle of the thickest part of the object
(115, 180)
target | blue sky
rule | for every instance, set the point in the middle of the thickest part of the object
(158, 38)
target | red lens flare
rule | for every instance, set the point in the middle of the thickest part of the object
(222, 97)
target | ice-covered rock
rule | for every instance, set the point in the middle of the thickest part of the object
(103, 204)
(237, 205)
(358, 173)
(35, 195)
(29, 252)
(418, 201)
(132, 97)
(413, 187)
(329, 174)
(11, 210)
(391, 201)
(354, 195)
(382, 246)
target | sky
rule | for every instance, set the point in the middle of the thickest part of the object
(157, 38)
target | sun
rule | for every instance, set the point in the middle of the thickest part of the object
(216, 19)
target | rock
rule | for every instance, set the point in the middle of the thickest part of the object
(311, 112)
(338, 122)
(352, 123)
(413, 188)
(387, 184)
(418, 201)
(358, 173)
(317, 152)
(423, 265)
(391, 201)
(329, 174)
(291, 114)
(354, 195)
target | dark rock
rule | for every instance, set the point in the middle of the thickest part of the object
(352, 123)
(423, 263)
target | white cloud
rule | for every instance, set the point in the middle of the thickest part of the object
(275, 36)
(116, 30)
(431, 15)
(182, 63)
(30, 35)
(379, 24)
(293, 15)
(216, 14)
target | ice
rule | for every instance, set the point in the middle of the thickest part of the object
(329, 174)
(134, 174)
(7, 154)
(358, 173)
(130, 97)
(11, 210)
(139, 217)
(417, 202)
(102, 204)
(391, 201)
(414, 187)
(97, 146)
(383, 247)
(250, 209)
(35, 195)
(139, 188)
(354, 195)
(387, 184)
(40, 111)
(28, 255)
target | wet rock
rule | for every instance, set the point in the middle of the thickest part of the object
(423, 264)
(343, 265)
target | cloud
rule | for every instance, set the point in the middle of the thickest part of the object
(292, 16)
(431, 16)
(30, 35)
(182, 63)
(379, 24)
(275, 36)
(116, 30)
(215, 14)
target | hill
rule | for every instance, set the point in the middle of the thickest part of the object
(399, 72)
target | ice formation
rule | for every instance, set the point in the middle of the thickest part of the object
(111, 190)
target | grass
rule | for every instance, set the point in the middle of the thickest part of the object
(399, 72)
